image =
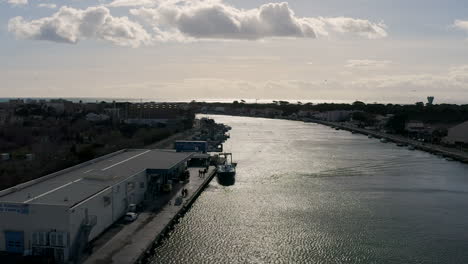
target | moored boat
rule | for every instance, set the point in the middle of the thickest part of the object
(227, 168)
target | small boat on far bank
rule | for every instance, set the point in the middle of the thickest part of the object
(384, 140)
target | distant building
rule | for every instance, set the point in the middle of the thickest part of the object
(414, 126)
(219, 109)
(271, 112)
(113, 112)
(334, 116)
(31, 101)
(457, 134)
(430, 100)
(304, 113)
(30, 157)
(15, 102)
(146, 121)
(58, 106)
(152, 111)
(3, 117)
(97, 117)
(5, 156)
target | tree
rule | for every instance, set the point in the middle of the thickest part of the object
(397, 123)
(358, 105)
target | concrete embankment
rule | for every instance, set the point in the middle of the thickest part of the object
(137, 240)
(435, 149)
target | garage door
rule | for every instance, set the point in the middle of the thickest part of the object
(14, 242)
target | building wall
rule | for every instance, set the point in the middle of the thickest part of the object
(31, 218)
(109, 205)
(99, 206)
(458, 134)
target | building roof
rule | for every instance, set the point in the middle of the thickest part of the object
(83, 181)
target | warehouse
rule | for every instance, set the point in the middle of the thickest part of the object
(58, 214)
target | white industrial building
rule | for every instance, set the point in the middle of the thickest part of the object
(57, 215)
(457, 134)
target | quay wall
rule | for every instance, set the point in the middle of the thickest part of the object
(185, 207)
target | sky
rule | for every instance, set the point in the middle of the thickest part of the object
(389, 51)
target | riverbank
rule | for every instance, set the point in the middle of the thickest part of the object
(136, 240)
(431, 148)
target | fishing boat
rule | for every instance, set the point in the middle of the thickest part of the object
(227, 168)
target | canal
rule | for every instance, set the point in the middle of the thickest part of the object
(306, 193)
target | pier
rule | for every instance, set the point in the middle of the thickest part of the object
(136, 240)
(431, 148)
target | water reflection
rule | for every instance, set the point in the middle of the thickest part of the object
(306, 193)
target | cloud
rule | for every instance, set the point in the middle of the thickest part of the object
(213, 19)
(69, 25)
(50, 6)
(127, 3)
(17, 2)
(452, 82)
(461, 24)
(367, 63)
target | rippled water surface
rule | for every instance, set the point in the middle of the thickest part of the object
(305, 193)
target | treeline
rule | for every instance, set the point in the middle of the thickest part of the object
(441, 113)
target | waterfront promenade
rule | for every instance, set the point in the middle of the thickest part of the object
(432, 148)
(131, 243)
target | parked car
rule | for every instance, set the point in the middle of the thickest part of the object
(130, 217)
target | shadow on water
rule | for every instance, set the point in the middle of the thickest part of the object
(226, 180)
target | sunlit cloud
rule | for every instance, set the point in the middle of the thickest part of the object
(47, 5)
(217, 20)
(17, 2)
(461, 24)
(367, 63)
(69, 25)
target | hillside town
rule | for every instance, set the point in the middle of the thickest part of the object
(38, 137)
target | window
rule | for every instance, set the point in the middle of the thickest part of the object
(107, 200)
(35, 239)
(142, 185)
(53, 238)
(60, 239)
(42, 238)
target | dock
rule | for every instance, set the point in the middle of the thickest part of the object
(136, 240)
(431, 148)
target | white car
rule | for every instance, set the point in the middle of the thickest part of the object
(130, 217)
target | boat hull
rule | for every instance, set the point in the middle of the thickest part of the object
(226, 173)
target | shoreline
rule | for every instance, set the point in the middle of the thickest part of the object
(452, 153)
(427, 147)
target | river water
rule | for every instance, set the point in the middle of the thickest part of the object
(306, 193)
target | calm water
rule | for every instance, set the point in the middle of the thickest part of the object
(305, 193)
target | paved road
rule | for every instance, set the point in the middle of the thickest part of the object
(134, 239)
